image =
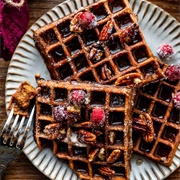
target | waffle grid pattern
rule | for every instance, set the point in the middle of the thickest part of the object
(114, 101)
(156, 100)
(66, 54)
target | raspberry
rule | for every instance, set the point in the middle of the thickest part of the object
(98, 117)
(173, 72)
(77, 97)
(165, 51)
(60, 113)
(87, 20)
(176, 100)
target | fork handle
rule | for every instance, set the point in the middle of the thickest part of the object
(2, 170)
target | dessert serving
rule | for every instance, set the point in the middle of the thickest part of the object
(110, 102)
(87, 125)
(98, 43)
(103, 43)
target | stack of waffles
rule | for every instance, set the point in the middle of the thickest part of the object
(106, 83)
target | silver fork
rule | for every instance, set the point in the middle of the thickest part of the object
(13, 137)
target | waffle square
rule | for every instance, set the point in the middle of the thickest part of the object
(155, 99)
(72, 140)
(67, 54)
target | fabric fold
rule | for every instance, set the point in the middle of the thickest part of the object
(13, 24)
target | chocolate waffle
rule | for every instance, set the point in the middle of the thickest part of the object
(94, 150)
(114, 47)
(156, 117)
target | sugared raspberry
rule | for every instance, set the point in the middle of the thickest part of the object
(60, 113)
(87, 20)
(165, 51)
(98, 116)
(173, 72)
(77, 97)
(176, 100)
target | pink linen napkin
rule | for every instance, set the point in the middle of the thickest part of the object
(14, 19)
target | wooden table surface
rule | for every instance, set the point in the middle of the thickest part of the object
(22, 169)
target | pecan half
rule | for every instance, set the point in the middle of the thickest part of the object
(114, 156)
(128, 79)
(55, 131)
(106, 171)
(93, 154)
(105, 72)
(106, 31)
(144, 124)
(129, 34)
(86, 136)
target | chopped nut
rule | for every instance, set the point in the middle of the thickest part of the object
(55, 131)
(74, 114)
(62, 131)
(144, 124)
(98, 133)
(137, 81)
(95, 54)
(129, 34)
(74, 25)
(101, 154)
(106, 31)
(86, 136)
(83, 20)
(114, 156)
(86, 124)
(106, 171)
(111, 137)
(93, 154)
(128, 79)
(106, 72)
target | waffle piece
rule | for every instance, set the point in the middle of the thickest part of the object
(21, 99)
(113, 48)
(87, 125)
(161, 138)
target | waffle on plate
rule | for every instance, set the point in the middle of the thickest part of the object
(156, 116)
(110, 48)
(87, 125)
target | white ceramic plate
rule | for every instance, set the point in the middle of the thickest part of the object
(158, 27)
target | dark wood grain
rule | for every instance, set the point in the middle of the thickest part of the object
(22, 168)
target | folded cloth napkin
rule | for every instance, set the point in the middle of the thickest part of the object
(14, 19)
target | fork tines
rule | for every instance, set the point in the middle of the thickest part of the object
(16, 128)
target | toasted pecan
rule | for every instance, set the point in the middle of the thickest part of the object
(106, 171)
(86, 136)
(131, 78)
(144, 124)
